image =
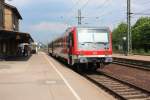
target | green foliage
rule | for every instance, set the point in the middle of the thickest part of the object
(140, 34)
(118, 34)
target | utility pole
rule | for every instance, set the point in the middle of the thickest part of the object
(129, 35)
(79, 17)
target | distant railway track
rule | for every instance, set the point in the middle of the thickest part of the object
(120, 89)
(144, 65)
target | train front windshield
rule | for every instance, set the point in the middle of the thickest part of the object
(93, 39)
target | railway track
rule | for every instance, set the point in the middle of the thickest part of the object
(120, 89)
(143, 65)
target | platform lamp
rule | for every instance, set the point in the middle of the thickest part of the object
(125, 46)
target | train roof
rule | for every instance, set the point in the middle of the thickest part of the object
(92, 27)
(86, 27)
(89, 27)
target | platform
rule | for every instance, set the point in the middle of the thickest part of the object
(133, 57)
(42, 78)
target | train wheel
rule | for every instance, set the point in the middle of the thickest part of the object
(100, 65)
(89, 67)
(94, 67)
(78, 68)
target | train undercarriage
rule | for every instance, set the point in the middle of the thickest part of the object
(90, 63)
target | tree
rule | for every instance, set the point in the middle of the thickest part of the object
(118, 34)
(141, 34)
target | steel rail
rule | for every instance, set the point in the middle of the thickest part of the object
(143, 65)
(118, 88)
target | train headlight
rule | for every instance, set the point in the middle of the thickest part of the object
(75, 57)
(107, 47)
(108, 59)
(83, 60)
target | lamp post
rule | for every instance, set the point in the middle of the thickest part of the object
(125, 46)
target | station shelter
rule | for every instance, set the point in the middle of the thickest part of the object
(9, 41)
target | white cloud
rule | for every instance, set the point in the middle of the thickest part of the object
(18, 3)
(48, 26)
(110, 13)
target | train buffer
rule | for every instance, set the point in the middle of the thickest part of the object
(42, 78)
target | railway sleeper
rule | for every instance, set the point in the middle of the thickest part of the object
(103, 80)
(126, 90)
(113, 84)
(146, 98)
(130, 93)
(106, 82)
(136, 96)
(100, 77)
(118, 88)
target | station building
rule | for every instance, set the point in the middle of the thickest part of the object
(10, 36)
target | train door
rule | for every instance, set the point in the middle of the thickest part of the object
(70, 47)
(52, 48)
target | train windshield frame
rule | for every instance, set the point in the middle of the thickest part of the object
(92, 39)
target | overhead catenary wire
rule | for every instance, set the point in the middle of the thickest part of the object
(144, 3)
(101, 7)
(81, 8)
(139, 14)
(103, 4)
(66, 21)
(104, 7)
(144, 11)
(75, 5)
(86, 3)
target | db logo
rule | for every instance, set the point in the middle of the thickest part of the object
(94, 53)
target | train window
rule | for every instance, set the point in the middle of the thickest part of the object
(91, 35)
(102, 37)
(92, 39)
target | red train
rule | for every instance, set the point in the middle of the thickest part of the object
(91, 46)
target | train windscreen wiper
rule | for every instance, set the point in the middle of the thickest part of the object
(105, 43)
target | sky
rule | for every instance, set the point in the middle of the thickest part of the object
(46, 20)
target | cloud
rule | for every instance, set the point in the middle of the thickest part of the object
(137, 7)
(48, 26)
(45, 31)
(44, 18)
(18, 3)
(30, 3)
